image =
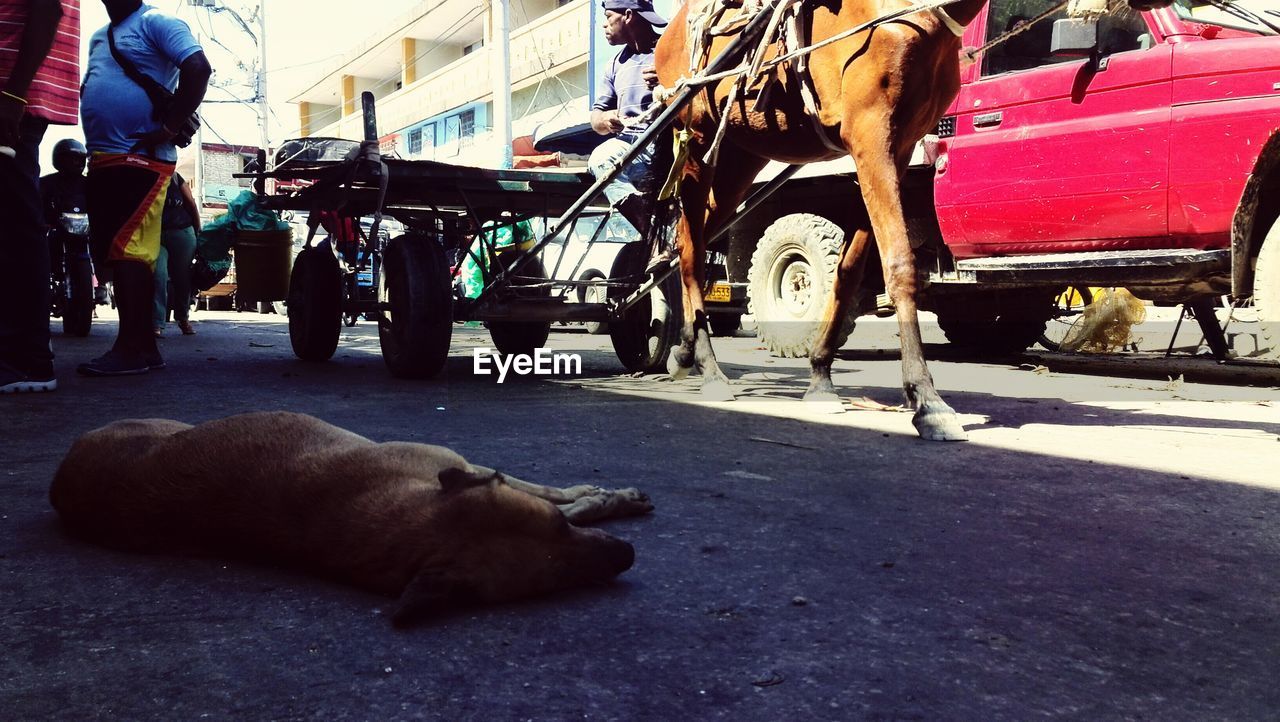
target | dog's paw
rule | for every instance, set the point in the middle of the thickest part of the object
(636, 501)
(581, 490)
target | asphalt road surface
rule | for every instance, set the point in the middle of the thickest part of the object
(1106, 546)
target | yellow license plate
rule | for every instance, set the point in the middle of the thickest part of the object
(719, 293)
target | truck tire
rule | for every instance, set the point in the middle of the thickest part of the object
(792, 273)
(415, 330)
(594, 294)
(997, 323)
(521, 338)
(315, 303)
(1266, 293)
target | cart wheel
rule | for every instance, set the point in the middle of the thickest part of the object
(646, 333)
(513, 338)
(315, 303)
(417, 323)
(77, 317)
(594, 294)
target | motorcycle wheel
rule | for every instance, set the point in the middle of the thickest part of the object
(77, 316)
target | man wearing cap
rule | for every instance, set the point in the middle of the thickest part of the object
(625, 92)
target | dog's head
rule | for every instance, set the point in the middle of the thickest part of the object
(508, 545)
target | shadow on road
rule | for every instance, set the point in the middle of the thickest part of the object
(857, 574)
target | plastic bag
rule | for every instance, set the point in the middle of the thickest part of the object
(206, 275)
(499, 238)
(1107, 323)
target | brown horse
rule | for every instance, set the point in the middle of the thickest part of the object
(878, 92)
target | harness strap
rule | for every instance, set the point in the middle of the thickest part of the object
(808, 93)
(672, 187)
(956, 28)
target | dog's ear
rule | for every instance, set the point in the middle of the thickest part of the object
(426, 595)
(458, 479)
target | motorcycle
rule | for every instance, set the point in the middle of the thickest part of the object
(71, 273)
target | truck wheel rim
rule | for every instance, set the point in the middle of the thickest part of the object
(794, 284)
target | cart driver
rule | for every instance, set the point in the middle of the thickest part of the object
(625, 93)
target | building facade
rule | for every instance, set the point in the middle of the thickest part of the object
(429, 73)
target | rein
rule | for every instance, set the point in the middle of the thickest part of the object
(971, 55)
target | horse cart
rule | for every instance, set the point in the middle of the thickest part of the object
(451, 214)
(414, 297)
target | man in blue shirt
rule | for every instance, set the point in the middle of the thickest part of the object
(133, 156)
(626, 92)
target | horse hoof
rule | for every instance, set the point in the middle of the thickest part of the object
(675, 370)
(939, 425)
(717, 390)
(824, 402)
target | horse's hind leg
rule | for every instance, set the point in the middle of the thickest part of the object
(844, 292)
(879, 175)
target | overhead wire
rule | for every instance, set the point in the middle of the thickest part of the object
(451, 31)
(546, 73)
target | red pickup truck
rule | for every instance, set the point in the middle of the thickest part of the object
(1139, 150)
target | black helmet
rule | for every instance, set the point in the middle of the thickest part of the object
(69, 155)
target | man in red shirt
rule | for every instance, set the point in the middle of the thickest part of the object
(39, 81)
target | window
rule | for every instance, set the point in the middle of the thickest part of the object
(415, 141)
(1028, 49)
(562, 3)
(450, 129)
(1117, 33)
(429, 142)
(467, 126)
(1122, 32)
(469, 49)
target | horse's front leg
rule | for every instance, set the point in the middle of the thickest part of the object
(709, 198)
(695, 337)
(680, 362)
(693, 199)
(879, 177)
(934, 419)
(844, 292)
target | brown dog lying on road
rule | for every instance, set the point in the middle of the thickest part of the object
(396, 518)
